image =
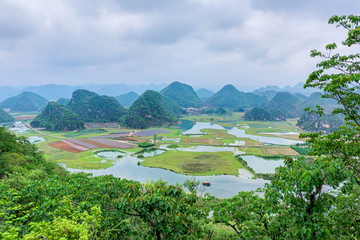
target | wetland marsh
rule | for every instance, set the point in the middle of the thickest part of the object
(206, 150)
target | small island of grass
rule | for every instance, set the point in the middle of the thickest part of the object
(196, 163)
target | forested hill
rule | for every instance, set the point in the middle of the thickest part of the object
(260, 114)
(92, 107)
(57, 117)
(285, 103)
(127, 99)
(5, 117)
(183, 94)
(63, 101)
(317, 99)
(147, 111)
(171, 106)
(25, 102)
(230, 97)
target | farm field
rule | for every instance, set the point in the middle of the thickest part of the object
(75, 149)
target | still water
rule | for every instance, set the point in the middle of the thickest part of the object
(261, 165)
(270, 140)
(222, 186)
(189, 127)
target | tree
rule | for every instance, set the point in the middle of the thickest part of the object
(339, 77)
(297, 196)
(163, 211)
(308, 198)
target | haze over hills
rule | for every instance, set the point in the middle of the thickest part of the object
(54, 91)
(6, 92)
(298, 88)
(25, 101)
(204, 93)
(57, 117)
(92, 107)
(183, 94)
(127, 99)
(147, 111)
(231, 97)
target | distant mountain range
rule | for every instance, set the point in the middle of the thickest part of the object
(271, 91)
(54, 91)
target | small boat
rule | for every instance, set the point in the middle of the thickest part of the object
(207, 184)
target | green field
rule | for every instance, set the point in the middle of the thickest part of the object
(196, 163)
(181, 162)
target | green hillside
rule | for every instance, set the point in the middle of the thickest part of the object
(147, 111)
(63, 101)
(183, 94)
(127, 99)
(260, 114)
(285, 103)
(316, 99)
(5, 117)
(91, 107)
(25, 102)
(171, 106)
(57, 117)
(231, 97)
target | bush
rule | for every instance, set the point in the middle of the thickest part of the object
(173, 146)
(145, 144)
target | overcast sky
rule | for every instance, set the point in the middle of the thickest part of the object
(204, 43)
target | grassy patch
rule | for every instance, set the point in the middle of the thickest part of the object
(85, 132)
(254, 151)
(196, 163)
(83, 160)
(213, 117)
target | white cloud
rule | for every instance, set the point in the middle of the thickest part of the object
(212, 42)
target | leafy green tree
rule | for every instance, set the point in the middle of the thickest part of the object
(191, 184)
(299, 195)
(245, 213)
(163, 211)
(338, 76)
(68, 223)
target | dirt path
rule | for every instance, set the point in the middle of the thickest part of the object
(37, 131)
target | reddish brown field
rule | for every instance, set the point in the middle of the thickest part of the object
(206, 141)
(80, 145)
(95, 143)
(63, 145)
(24, 117)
